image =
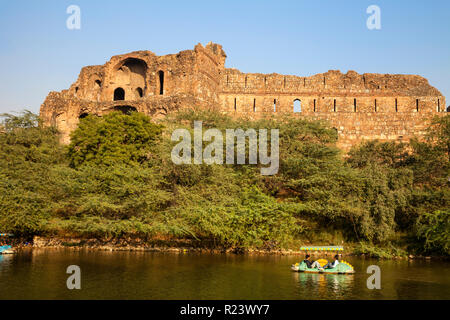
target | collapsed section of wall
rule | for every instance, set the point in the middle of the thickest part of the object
(139, 81)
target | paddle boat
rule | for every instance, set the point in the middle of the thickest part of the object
(6, 249)
(342, 268)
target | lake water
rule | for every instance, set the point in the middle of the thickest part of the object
(41, 274)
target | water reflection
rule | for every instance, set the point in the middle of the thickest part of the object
(41, 274)
(5, 261)
(324, 286)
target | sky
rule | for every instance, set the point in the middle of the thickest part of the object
(39, 54)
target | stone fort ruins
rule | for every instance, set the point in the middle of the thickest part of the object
(358, 106)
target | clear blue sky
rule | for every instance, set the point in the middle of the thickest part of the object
(39, 54)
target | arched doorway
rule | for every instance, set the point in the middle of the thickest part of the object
(119, 94)
(139, 93)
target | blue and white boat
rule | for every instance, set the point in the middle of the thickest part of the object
(6, 249)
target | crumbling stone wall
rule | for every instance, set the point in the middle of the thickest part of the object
(139, 81)
(367, 106)
(360, 107)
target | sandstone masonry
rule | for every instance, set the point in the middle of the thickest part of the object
(359, 107)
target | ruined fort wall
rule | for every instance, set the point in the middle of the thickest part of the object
(194, 72)
(65, 112)
(313, 104)
(135, 70)
(360, 107)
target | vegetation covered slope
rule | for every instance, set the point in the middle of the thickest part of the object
(117, 179)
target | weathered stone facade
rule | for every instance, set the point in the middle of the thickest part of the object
(367, 106)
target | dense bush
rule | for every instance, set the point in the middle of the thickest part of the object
(27, 154)
(434, 230)
(117, 179)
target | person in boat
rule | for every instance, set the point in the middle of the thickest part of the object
(331, 265)
(311, 264)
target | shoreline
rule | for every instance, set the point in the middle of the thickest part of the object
(138, 245)
(184, 246)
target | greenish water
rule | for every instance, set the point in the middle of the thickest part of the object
(41, 274)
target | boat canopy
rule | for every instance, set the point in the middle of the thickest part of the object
(322, 248)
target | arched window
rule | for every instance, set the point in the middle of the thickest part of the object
(274, 105)
(139, 92)
(297, 106)
(119, 94)
(161, 82)
(98, 83)
(254, 105)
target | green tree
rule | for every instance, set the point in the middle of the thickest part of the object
(434, 230)
(438, 133)
(114, 138)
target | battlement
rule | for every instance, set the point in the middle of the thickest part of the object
(332, 82)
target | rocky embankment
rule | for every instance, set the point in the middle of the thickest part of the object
(155, 246)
